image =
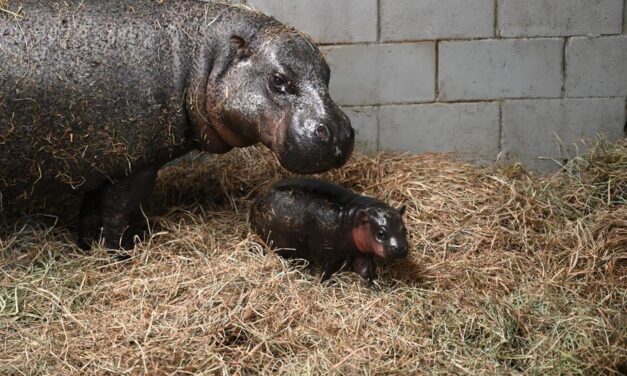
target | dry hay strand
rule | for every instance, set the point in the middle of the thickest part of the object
(509, 273)
(4, 9)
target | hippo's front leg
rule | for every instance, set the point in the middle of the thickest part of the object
(330, 267)
(364, 266)
(113, 207)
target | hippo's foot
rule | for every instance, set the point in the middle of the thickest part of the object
(364, 266)
(90, 219)
(107, 213)
(330, 268)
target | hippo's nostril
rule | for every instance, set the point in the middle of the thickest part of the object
(323, 132)
(398, 252)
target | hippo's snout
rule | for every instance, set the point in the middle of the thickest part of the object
(398, 252)
(335, 131)
(396, 247)
(314, 144)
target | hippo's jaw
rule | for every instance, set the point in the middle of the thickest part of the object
(365, 242)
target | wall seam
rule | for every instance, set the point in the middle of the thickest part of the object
(378, 21)
(378, 118)
(486, 100)
(501, 127)
(564, 66)
(423, 41)
(497, 32)
(437, 71)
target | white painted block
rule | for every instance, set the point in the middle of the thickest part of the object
(469, 129)
(382, 73)
(436, 19)
(596, 67)
(365, 121)
(531, 18)
(494, 69)
(555, 128)
(327, 21)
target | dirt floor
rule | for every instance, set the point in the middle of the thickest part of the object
(509, 273)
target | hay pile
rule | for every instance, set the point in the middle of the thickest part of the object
(509, 273)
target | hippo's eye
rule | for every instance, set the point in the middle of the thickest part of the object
(382, 235)
(279, 83)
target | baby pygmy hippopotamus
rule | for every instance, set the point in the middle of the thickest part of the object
(329, 226)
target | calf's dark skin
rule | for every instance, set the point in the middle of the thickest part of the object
(96, 95)
(329, 226)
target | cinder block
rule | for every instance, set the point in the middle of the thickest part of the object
(469, 129)
(537, 128)
(596, 67)
(436, 19)
(382, 73)
(494, 69)
(327, 21)
(559, 17)
(365, 120)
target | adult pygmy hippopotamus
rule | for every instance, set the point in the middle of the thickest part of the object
(329, 225)
(96, 95)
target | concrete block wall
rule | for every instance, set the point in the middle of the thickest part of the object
(483, 78)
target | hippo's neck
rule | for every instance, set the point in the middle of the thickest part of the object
(205, 67)
(213, 57)
(354, 231)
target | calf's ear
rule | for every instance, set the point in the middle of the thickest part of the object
(402, 209)
(363, 217)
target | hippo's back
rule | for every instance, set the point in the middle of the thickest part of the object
(295, 210)
(89, 89)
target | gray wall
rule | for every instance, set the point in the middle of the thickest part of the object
(476, 77)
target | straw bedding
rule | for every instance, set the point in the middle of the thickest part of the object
(509, 273)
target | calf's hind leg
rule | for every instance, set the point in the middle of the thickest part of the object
(113, 207)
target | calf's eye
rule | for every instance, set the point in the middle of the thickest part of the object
(382, 235)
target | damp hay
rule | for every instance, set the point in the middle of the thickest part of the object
(509, 273)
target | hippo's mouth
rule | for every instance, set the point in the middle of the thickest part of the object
(231, 137)
(274, 135)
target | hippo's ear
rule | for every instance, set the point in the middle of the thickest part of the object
(402, 209)
(363, 216)
(242, 48)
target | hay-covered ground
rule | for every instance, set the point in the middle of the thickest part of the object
(509, 273)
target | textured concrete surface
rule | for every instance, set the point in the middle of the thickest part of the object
(468, 129)
(596, 67)
(532, 18)
(365, 120)
(436, 19)
(327, 21)
(555, 128)
(382, 73)
(494, 69)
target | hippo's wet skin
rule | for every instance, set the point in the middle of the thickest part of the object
(329, 226)
(96, 95)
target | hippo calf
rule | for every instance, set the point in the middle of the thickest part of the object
(96, 95)
(329, 226)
